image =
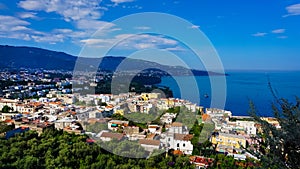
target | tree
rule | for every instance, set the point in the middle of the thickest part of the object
(4, 127)
(58, 149)
(6, 109)
(279, 148)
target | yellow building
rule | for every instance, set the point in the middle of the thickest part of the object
(147, 96)
(272, 121)
(228, 141)
(120, 112)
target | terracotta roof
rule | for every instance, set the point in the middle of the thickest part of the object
(150, 142)
(176, 124)
(205, 117)
(8, 121)
(177, 152)
(55, 103)
(36, 104)
(89, 140)
(117, 136)
(184, 137)
(152, 126)
(119, 122)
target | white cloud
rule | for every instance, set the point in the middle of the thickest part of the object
(121, 1)
(177, 48)
(84, 14)
(278, 31)
(15, 28)
(19, 28)
(103, 42)
(141, 46)
(20, 36)
(259, 34)
(195, 27)
(32, 5)
(86, 24)
(293, 10)
(25, 15)
(6, 21)
(129, 6)
(71, 10)
(142, 28)
(89, 27)
(9, 25)
(62, 30)
(49, 38)
(135, 41)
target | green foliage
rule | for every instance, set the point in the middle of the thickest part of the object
(6, 109)
(96, 127)
(241, 119)
(80, 103)
(153, 116)
(206, 131)
(55, 149)
(125, 148)
(186, 117)
(279, 148)
(175, 110)
(141, 117)
(4, 127)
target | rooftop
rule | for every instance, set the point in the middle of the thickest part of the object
(176, 124)
(232, 135)
(184, 137)
(117, 136)
(150, 142)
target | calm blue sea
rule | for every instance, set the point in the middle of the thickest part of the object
(241, 87)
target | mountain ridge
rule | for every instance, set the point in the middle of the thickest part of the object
(33, 57)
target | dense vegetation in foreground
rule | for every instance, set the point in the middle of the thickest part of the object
(58, 149)
(279, 148)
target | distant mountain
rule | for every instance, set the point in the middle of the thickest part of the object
(31, 57)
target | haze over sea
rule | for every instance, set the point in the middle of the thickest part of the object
(241, 88)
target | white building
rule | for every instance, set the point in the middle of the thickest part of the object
(154, 128)
(177, 138)
(150, 145)
(167, 118)
(108, 136)
(62, 123)
(114, 124)
(214, 112)
(248, 126)
(178, 142)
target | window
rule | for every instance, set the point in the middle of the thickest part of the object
(169, 139)
(177, 144)
(183, 144)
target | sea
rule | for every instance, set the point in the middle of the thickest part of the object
(235, 91)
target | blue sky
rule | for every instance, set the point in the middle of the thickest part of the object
(256, 34)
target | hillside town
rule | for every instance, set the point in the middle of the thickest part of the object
(76, 113)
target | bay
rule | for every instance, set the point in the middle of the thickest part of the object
(241, 87)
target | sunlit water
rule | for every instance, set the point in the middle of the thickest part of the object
(241, 88)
